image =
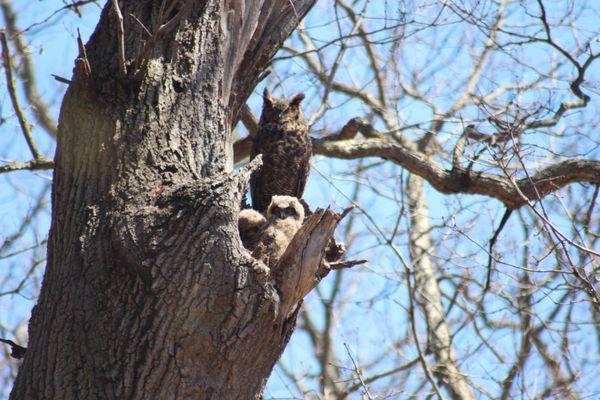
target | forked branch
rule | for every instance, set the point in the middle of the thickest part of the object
(465, 180)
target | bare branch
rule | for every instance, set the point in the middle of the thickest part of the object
(474, 77)
(500, 187)
(33, 165)
(358, 373)
(583, 99)
(74, 5)
(346, 264)
(17, 351)
(15, 101)
(575, 86)
(369, 49)
(335, 66)
(39, 107)
(385, 374)
(26, 222)
(345, 88)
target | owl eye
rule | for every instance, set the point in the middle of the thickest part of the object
(291, 211)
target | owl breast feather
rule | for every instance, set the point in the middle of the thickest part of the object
(286, 150)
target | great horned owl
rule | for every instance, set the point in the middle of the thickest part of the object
(251, 224)
(283, 141)
(284, 217)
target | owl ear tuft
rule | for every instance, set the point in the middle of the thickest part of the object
(268, 99)
(297, 99)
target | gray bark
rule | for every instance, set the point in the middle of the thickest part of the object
(148, 292)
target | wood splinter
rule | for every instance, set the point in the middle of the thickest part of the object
(82, 78)
(300, 268)
(82, 64)
(120, 38)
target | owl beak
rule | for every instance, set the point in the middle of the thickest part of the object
(280, 213)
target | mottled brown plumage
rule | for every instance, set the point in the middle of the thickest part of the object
(284, 217)
(283, 140)
(251, 223)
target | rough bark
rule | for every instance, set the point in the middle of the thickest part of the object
(148, 292)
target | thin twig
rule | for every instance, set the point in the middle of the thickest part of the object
(17, 351)
(385, 374)
(552, 229)
(358, 374)
(346, 264)
(26, 72)
(411, 292)
(61, 79)
(15, 101)
(335, 66)
(136, 19)
(33, 165)
(74, 6)
(505, 218)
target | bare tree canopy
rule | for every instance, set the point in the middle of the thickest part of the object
(464, 134)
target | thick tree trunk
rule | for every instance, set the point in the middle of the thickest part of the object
(148, 292)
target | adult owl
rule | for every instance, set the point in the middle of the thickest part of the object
(284, 217)
(283, 141)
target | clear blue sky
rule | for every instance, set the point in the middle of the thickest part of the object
(375, 317)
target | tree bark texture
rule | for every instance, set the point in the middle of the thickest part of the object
(148, 292)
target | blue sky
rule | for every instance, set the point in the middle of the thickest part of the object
(375, 315)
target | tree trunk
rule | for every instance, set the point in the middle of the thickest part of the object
(429, 297)
(148, 292)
